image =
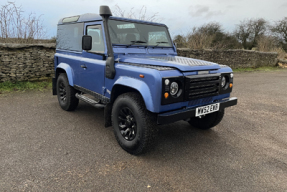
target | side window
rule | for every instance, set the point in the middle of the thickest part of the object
(98, 44)
(69, 37)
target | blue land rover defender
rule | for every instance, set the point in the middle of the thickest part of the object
(131, 68)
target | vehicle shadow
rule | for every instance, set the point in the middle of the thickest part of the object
(181, 140)
(178, 138)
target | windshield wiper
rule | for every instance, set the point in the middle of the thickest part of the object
(133, 42)
(119, 44)
(159, 42)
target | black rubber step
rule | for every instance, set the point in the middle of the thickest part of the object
(90, 101)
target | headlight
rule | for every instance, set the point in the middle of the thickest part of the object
(223, 81)
(173, 88)
(226, 83)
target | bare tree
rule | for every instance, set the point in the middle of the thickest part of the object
(197, 39)
(267, 43)
(210, 28)
(211, 36)
(180, 41)
(248, 32)
(13, 24)
(279, 29)
(242, 32)
(259, 28)
(140, 14)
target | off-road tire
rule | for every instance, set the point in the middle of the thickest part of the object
(145, 130)
(208, 121)
(66, 94)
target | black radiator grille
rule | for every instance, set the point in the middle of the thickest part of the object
(201, 87)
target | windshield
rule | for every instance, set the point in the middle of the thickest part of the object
(130, 33)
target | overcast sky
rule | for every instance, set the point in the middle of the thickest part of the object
(179, 15)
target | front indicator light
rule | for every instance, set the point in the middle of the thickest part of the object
(166, 82)
(230, 85)
(166, 95)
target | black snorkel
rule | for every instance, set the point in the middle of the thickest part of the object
(105, 12)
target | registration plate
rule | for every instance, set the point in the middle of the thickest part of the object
(206, 109)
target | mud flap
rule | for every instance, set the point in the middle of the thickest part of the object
(108, 115)
(54, 82)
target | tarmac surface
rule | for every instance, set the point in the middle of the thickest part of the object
(43, 148)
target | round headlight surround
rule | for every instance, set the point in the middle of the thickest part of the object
(174, 88)
(223, 81)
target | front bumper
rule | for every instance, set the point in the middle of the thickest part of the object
(183, 114)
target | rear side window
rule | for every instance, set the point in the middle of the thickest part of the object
(69, 37)
(96, 32)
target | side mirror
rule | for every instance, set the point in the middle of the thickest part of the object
(87, 42)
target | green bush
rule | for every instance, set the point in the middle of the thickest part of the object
(23, 86)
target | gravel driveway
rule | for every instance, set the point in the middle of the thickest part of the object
(43, 148)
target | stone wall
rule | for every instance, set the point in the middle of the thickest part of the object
(233, 58)
(19, 62)
(282, 63)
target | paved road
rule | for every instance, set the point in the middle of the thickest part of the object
(43, 148)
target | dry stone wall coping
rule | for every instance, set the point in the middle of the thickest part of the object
(234, 58)
(21, 46)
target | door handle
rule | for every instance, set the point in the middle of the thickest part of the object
(84, 66)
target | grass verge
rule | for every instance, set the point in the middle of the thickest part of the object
(7, 87)
(249, 69)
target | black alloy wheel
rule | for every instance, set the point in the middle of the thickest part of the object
(63, 92)
(127, 124)
(66, 94)
(134, 127)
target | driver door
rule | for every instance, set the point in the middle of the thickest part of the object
(93, 62)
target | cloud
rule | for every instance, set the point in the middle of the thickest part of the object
(202, 11)
(230, 6)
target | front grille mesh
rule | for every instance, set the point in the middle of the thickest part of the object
(201, 87)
